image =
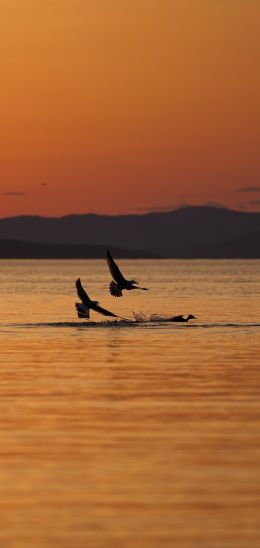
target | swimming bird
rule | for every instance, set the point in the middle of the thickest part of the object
(119, 283)
(181, 318)
(86, 304)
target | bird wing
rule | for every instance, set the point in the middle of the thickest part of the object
(115, 290)
(82, 310)
(101, 310)
(82, 293)
(114, 270)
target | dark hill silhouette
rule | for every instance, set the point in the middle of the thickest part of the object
(153, 232)
(15, 249)
(244, 247)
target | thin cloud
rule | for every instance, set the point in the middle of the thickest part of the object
(255, 202)
(215, 204)
(242, 206)
(248, 189)
(161, 208)
(14, 193)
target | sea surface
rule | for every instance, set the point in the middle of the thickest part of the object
(137, 432)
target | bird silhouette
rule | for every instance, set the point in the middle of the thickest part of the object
(87, 304)
(119, 283)
(181, 318)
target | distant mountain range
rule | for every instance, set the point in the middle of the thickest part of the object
(197, 231)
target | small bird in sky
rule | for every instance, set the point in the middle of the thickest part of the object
(86, 304)
(119, 283)
(182, 319)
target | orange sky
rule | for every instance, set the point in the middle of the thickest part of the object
(122, 106)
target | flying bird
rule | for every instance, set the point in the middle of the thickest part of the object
(86, 304)
(181, 318)
(119, 283)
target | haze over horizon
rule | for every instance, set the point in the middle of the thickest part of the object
(125, 107)
(138, 212)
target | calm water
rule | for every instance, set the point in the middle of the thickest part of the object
(130, 434)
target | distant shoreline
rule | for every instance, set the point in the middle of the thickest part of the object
(238, 249)
(196, 232)
(132, 258)
(21, 250)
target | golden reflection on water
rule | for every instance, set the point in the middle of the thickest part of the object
(138, 435)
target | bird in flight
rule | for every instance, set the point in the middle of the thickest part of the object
(86, 304)
(119, 283)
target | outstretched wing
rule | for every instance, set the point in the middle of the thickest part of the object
(82, 293)
(103, 311)
(115, 290)
(114, 270)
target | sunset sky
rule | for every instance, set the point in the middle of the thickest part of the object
(123, 106)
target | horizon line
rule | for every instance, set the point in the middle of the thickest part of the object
(133, 214)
